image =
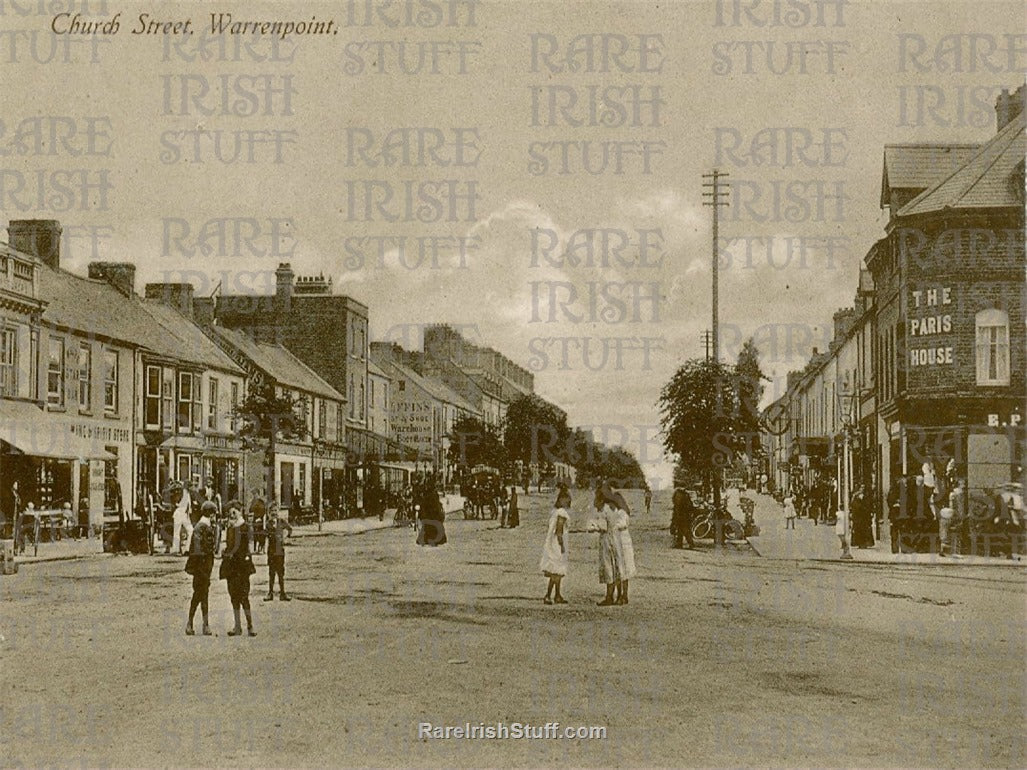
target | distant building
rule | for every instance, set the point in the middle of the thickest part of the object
(312, 467)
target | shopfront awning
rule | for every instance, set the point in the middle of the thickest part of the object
(185, 443)
(33, 432)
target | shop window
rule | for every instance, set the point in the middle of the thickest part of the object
(151, 414)
(110, 381)
(55, 373)
(212, 404)
(8, 362)
(185, 468)
(992, 347)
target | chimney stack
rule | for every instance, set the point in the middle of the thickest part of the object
(39, 237)
(176, 295)
(1008, 107)
(120, 275)
(284, 281)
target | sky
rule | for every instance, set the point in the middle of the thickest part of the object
(463, 127)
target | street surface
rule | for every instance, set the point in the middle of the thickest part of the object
(721, 658)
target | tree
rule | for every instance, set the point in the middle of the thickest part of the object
(594, 461)
(535, 431)
(473, 442)
(701, 415)
(750, 383)
(266, 416)
(750, 379)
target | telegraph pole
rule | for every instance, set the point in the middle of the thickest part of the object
(715, 196)
(706, 338)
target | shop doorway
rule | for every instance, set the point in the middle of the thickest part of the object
(287, 485)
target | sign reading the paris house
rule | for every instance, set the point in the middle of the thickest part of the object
(930, 326)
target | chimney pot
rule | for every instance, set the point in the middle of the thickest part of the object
(39, 237)
(120, 275)
(176, 295)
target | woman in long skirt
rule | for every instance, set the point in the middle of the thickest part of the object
(609, 567)
(554, 552)
(625, 553)
(624, 550)
(237, 566)
(432, 517)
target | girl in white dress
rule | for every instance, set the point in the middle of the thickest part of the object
(554, 552)
(625, 552)
(616, 553)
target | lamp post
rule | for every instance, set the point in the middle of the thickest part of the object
(848, 398)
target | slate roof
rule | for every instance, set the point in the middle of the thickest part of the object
(95, 307)
(989, 179)
(919, 166)
(433, 387)
(373, 368)
(278, 363)
(185, 340)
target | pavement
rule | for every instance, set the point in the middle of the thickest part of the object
(721, 659)
(818, 542)
(69, 548)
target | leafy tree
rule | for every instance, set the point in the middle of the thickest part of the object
(473, 442)
(750, 383)
(535, 431)
(268, 416)
(701, 415)
(594, 461)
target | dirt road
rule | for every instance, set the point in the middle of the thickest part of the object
(719, 659)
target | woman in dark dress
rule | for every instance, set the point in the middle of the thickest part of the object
(862, 521)
(237, 566)
(513, 519)
(433, 529)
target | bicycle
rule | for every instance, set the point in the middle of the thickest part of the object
(706, 524)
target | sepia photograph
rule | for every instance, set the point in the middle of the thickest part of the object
(513, 384)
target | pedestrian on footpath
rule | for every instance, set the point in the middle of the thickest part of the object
(681, 519)
(789, 506)
(648, 497)
(862, 519)
(513, 518)
(554, 552)
(237, 566)
(199, 565)
(277, 528)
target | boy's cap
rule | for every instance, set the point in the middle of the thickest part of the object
(207, 508)
(234, 505)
